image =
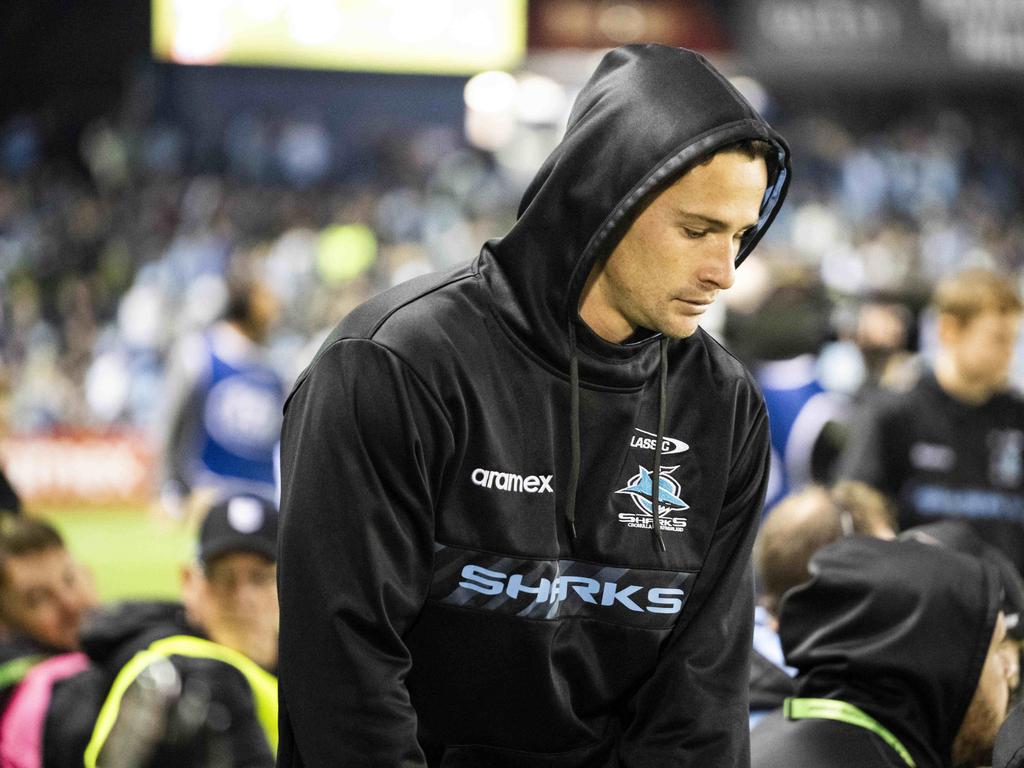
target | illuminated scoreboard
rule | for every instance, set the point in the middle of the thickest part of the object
(449, 37)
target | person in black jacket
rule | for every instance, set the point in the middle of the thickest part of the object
(953, 446)
(898, 650)
(518, 499)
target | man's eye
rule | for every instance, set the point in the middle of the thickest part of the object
(694, 234)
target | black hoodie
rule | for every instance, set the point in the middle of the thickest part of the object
(898, 629)
(469, 573)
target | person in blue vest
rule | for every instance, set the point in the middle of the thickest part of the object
(189, 683)
(898, 647)
(223, 413)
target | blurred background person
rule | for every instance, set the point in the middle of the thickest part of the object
(953, 446)
(960, 536)
(187, 683)
(794, 529)
(224, 404)
(45, 596)
(874, 686)
(784, 333)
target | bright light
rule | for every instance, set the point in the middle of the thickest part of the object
(491, 92)
(542, 101)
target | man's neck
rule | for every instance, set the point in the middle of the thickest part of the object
(959, 387)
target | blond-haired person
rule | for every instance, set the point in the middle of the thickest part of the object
(953, 445)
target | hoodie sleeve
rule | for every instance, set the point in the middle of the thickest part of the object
(362, 456)
(693, 710)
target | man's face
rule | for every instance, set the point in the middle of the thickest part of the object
(235, 602)
(679, 252)
(982, 348)
(45, 597)
(987, 710)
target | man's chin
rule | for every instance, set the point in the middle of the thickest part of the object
(679, 329)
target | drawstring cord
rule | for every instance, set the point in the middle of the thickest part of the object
(656, 477)
(574, 433)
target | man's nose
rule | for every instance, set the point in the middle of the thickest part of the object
(719, 269)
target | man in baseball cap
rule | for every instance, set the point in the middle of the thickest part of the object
(231, 589)
(190, 682)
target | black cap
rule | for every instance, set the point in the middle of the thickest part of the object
(959, 535)
(242, 523)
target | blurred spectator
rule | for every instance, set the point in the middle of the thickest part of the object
(782, 335)
(953, 446)
(960, 536)
(44, 594)
(44, 598)
(188, 683)
(874, 688)
(797, 527)
(224, 404)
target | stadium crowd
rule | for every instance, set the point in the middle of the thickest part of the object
(113, 264)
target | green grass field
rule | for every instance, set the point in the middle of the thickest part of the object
(131, 554)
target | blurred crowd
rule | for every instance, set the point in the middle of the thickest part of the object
(107, 259)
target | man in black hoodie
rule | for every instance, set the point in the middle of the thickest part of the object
(897, 647)
(476, 568)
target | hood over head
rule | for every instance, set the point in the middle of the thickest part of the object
(899, 629)
(961, 536)
(646, 116)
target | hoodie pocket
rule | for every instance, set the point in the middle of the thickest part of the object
(598, 755)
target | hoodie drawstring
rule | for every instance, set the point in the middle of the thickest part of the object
(574, 433)
(574, 436)
(656, 476)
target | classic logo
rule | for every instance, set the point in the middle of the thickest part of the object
(647, 441)
(639, 490)
(506, 481)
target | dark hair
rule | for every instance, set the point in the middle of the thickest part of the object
(20, 536)
(752, 148)
(239, 301)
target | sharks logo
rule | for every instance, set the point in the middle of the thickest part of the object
(639, 490)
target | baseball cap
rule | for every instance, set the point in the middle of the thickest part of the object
(241, 523)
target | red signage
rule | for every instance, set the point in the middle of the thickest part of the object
(79, 467)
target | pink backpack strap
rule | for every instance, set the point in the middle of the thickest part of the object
(22, 723)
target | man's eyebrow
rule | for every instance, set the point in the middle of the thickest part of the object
(710, 220)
